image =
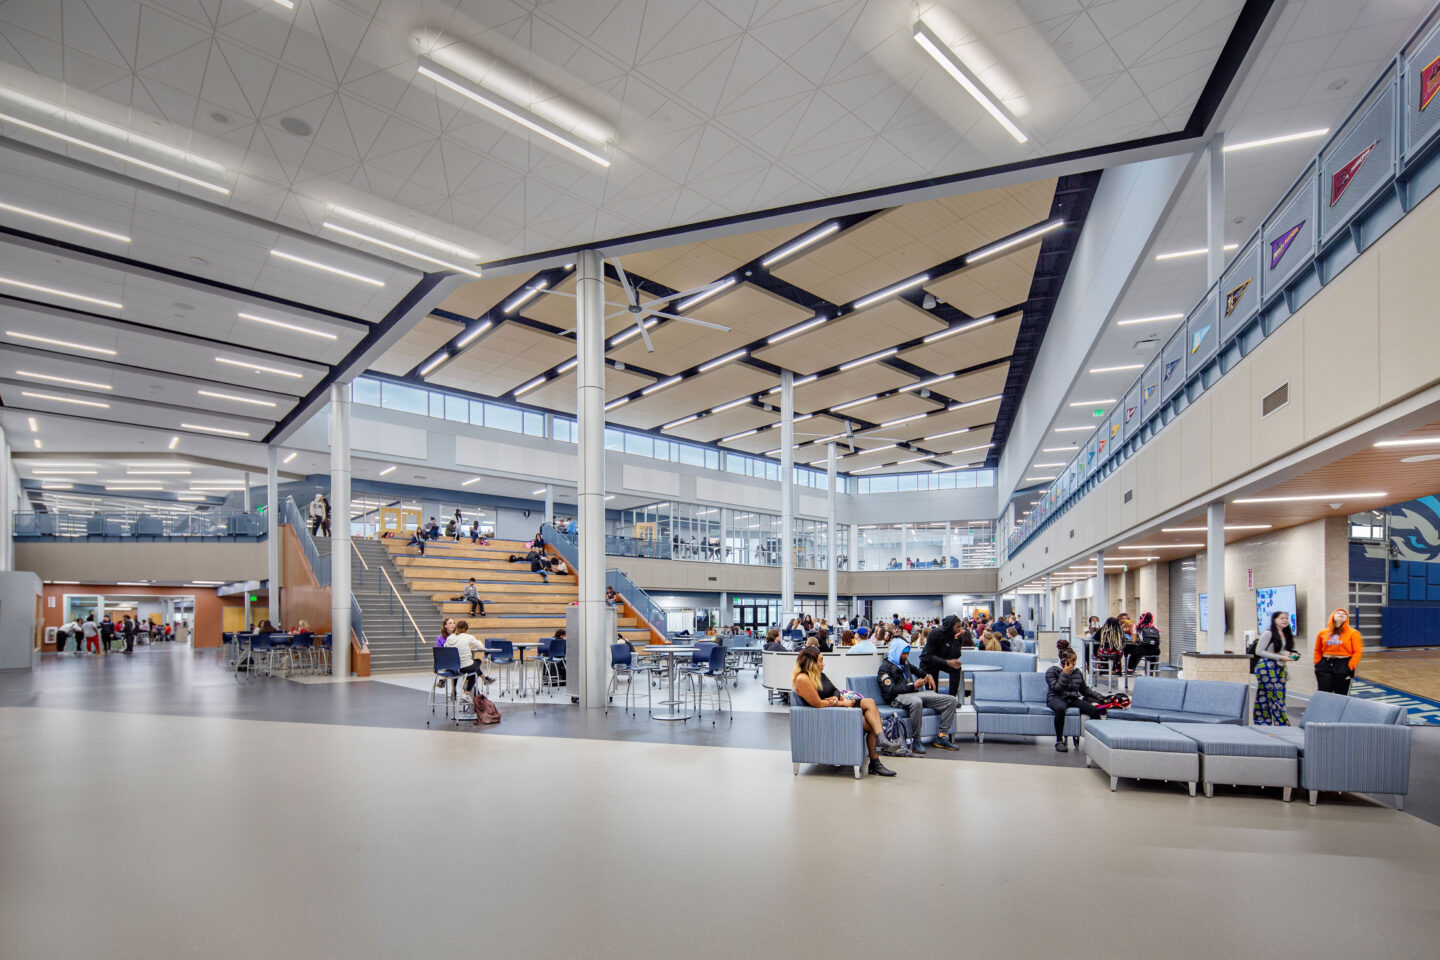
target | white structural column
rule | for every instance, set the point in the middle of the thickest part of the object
(832, 586)
(589, 661)
(1215, 576)
(1048, 608)
(549, 504)
(1101, 606)
(340, 529)
(272, 532)
(787, 496)
(1215, 206)
(246, 506)
(852, 559)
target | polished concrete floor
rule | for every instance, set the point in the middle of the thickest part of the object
(155, 807)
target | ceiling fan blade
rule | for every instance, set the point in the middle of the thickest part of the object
(624, 281)
(684, 293)
(698, 323)
(644, 334)
(850, 435)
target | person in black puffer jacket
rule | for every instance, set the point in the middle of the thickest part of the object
(942, 655)
(1067, 689)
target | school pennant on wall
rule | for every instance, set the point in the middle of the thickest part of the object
(1130, 412)
(1340, 181)
(1150, 391)
(1281, 244)
(1199, 337)
(1114, 430)
(1170, 368)
(1233, 298)
(1429, 82)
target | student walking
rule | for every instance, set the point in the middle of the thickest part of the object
(1275, 646)
(318, 511)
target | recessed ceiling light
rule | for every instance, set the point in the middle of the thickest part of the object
(59, 399)
(467, 483)
(62, 222)
(115, 154)
(1154, 319)
(256, 318)
(86, 384)
(1049, 464)
(890, 291)
(616, 403)
(230, 396)
(1228, 526)
(414, 236)
(669, 382)
(133, 488)
(473, 333)
(729, 406)
(527, 387)
(1197, 252)
(389, 469)
(157, 473)
(191, 497)
(1059, 449)
(528, 294)
(1038, 479)
(511, 111)
(51, 485)
(961, 74)
(220, 430)
(290, 456)
(34, 427)
(66, 294)
(63, 473)
(1163, 546)
(59, 343)
(815, 236)
(796, 331)
(720, 362)
(1123, 366)
(1014, 241)
(975, 403)
(1073, 429)
(406, 251)
(257, 367)
(1092, 403)
(1410, 442)
(337, 271)
(1369, 495)
(174, 442)
(1271, 141)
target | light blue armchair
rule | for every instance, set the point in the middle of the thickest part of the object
(829, 735)
(1351, 745)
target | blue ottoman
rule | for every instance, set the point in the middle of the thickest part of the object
(1236, 755)
(1145, 751)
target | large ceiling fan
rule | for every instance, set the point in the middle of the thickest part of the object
(644, 311)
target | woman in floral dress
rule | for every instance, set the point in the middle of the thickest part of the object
(1275, 647)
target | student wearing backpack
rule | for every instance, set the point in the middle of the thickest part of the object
(1145, 644)
(811, 686)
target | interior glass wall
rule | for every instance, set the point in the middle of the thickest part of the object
(926, 546)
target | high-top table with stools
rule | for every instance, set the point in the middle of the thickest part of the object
(670, 651)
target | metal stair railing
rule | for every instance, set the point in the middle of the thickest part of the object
(290, 516)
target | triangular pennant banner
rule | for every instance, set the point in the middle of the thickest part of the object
(1150, 391)
(1233, 298)
(1130, 412)
(1170, 368)
(1101, 447)
(1340, 181)
(1199, 337)
(1429, 82)
(1281, 244)
(1114, 430)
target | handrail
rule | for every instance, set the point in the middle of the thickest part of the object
(419, 634)
(648, 610)
(360, 555)
(290, 516)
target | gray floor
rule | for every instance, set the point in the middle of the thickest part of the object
(155, 807)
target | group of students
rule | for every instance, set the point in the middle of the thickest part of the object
(98, 636)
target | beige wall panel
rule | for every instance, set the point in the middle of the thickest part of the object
(1147, 493)
(1125, 479)
(1231, 445)
(1280, 358)
(165, 562)
(1341, 362)
(1168, 469)
(1195, 447)
(1409, 289)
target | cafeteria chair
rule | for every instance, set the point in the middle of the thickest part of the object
(325, 652)
(623, 666)
(715, 670)
(447, 672)
(550, 664)
(262, 651)
(502, 654)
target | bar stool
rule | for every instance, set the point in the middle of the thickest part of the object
(447, 672)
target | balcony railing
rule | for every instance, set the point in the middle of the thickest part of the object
(141, 526)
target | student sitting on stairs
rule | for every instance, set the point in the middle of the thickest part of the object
(472, 597)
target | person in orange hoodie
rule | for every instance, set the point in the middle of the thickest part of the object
(1337, 653)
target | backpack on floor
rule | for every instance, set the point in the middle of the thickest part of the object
(485, 709)
(895, 728)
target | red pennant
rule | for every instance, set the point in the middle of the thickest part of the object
(1340, 182)
(1429, 82)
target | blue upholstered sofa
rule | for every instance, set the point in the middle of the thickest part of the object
(870, 687)
(1350, 744)
(836, 737)
(1007, 662)
(1014, 704)
(1160, 699)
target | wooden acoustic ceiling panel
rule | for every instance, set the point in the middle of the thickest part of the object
(504, 358)
(427, 336)
(851, 385)
(690, 265)
(750, 312)
(691, 395)
(989, 342)
(996, 283)
(852, 336)
(559, 311)
(710, 428)
(559, 394)
(904, 241)
(480, 296)
(891, 408)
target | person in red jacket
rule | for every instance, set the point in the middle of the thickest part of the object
(1338, 649)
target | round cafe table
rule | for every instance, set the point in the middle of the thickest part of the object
(670, 651)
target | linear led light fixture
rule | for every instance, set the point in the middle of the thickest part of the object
(795, 384)
(796, 331)
(976, 403)
(616, 403)
(469, 337)
(175, 442)
(928, 383)
(704, 295)
(1411, 442)
(1228, 526)
(1197, 252)
(63, 473)
(1123, 366)
(530, 294)
(62, 222)
(896, 423)
(57, 486)
(1368, 495)
(856, 403)
(1059, 449)
(133, 488)
(870, 359)
(878, 466)
(1072, 429)
(66, 294)
(900, 463)
(620, 338)
(1014, 241)
(730, 406)
(654, 387)
(466, 483)
(115, 154)
(65, 380)
(889, 292)
(948, 433)
(943, 55)
(59, 399)
(861, 453)
(963, 328)
(1154, 319)
(983, 446)
(327, 268)
(257, 367)
(34, 427)
(288, 457)
(510, 111)
(238, 399)
(468, 271)
(158, 473)
(220, 430)
(1038, 479)
(430, 367)
(809, 239)
(833, 436)
(683, 420)
(567, 366)
(414, 236)
(531, 385)
(705, 368)
(1272, 141)
(288, 5)
(1049, 464)
(739, 436)
(192, 498)
(256, 318)
(1093, 403)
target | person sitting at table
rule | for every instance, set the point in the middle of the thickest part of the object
(847, 638)
(447, 630)
(1066, 689)
(266, 627)
(813, 688)
(1010, 643)
(992, 641)
(468, 647)
(903, 685)
(772, 641)
(822, 640)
